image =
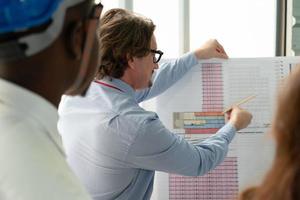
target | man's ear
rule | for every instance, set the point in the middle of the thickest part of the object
(76, 40)
(131, 62)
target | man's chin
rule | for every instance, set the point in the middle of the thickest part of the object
(145, 86)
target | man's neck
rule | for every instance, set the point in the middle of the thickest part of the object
(129, 79)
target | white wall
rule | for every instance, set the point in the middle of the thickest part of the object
(246, 28)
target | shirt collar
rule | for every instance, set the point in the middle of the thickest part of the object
(31, 105)
(118, 83)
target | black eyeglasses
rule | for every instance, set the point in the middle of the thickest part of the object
(157, 55)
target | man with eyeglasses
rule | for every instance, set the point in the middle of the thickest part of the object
(113, 144)
(47, 48)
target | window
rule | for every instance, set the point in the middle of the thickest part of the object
(109, 4)
(165, 16)
(245, 28)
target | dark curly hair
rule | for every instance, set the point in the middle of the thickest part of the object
(122, 35)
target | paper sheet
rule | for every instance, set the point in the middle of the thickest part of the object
(191, 108)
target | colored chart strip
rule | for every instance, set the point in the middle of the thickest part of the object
(219, 184)
(208, 114)
(198, 122)
(201, 131)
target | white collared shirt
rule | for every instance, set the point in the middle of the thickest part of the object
(32, 162)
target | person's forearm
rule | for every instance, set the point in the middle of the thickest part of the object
(214, 149)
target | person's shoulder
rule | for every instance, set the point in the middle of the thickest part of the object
(130, 124)
(139, 116)
(79, 104)
(27, 151)
(96, 99)
(13, 120)
(17, 129)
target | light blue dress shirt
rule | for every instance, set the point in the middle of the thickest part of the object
(114, 145)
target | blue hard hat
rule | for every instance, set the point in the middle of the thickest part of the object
(22, 14)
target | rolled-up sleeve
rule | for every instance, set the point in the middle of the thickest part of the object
(156, 148)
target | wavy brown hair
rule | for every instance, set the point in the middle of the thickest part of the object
(122, 35)
(282, 182)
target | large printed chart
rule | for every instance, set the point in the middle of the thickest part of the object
(193, 107)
